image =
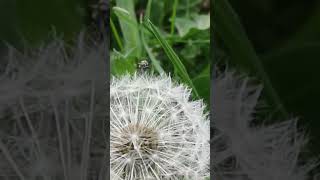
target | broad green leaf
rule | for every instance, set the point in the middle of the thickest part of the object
(202, 21)
(125, 16)
(129, 25)
(185, 25)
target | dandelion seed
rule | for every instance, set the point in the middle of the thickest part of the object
(46, 93)
(246, 152)
(156, 131)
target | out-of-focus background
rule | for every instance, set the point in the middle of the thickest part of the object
(29, 23)
(282, 37)
(285, 36)
(23, 21)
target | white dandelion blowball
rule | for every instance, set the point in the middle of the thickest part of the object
(156, 131)
(252, 151)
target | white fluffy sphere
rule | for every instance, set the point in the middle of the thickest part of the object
(156, 131)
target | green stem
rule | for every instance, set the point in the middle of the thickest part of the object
(173, 17)
(148, 9)
(188, 9)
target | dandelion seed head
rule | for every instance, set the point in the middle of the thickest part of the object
(246, 151)
(156, 131)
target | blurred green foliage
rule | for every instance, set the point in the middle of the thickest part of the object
(279, 42)
(30, 21)
(174, 36)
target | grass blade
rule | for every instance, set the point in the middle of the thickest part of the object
(173, 16)
(229, 28)
(116, 35)
(179, 67)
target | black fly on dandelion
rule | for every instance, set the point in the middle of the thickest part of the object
(143, 65)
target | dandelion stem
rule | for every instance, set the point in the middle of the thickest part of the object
(173, 16)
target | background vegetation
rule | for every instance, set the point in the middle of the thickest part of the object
(172, 35)
(278, 42)
(180, 24)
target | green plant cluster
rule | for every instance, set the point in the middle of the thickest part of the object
(277, 42)
(172, 35)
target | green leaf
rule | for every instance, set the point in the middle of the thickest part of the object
(122, 63)
(125, 16)
(198, 22)
(129, 25)
(202, 21)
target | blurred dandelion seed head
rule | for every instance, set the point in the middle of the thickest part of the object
(156, 132)
(246, 151)
(46, 97)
